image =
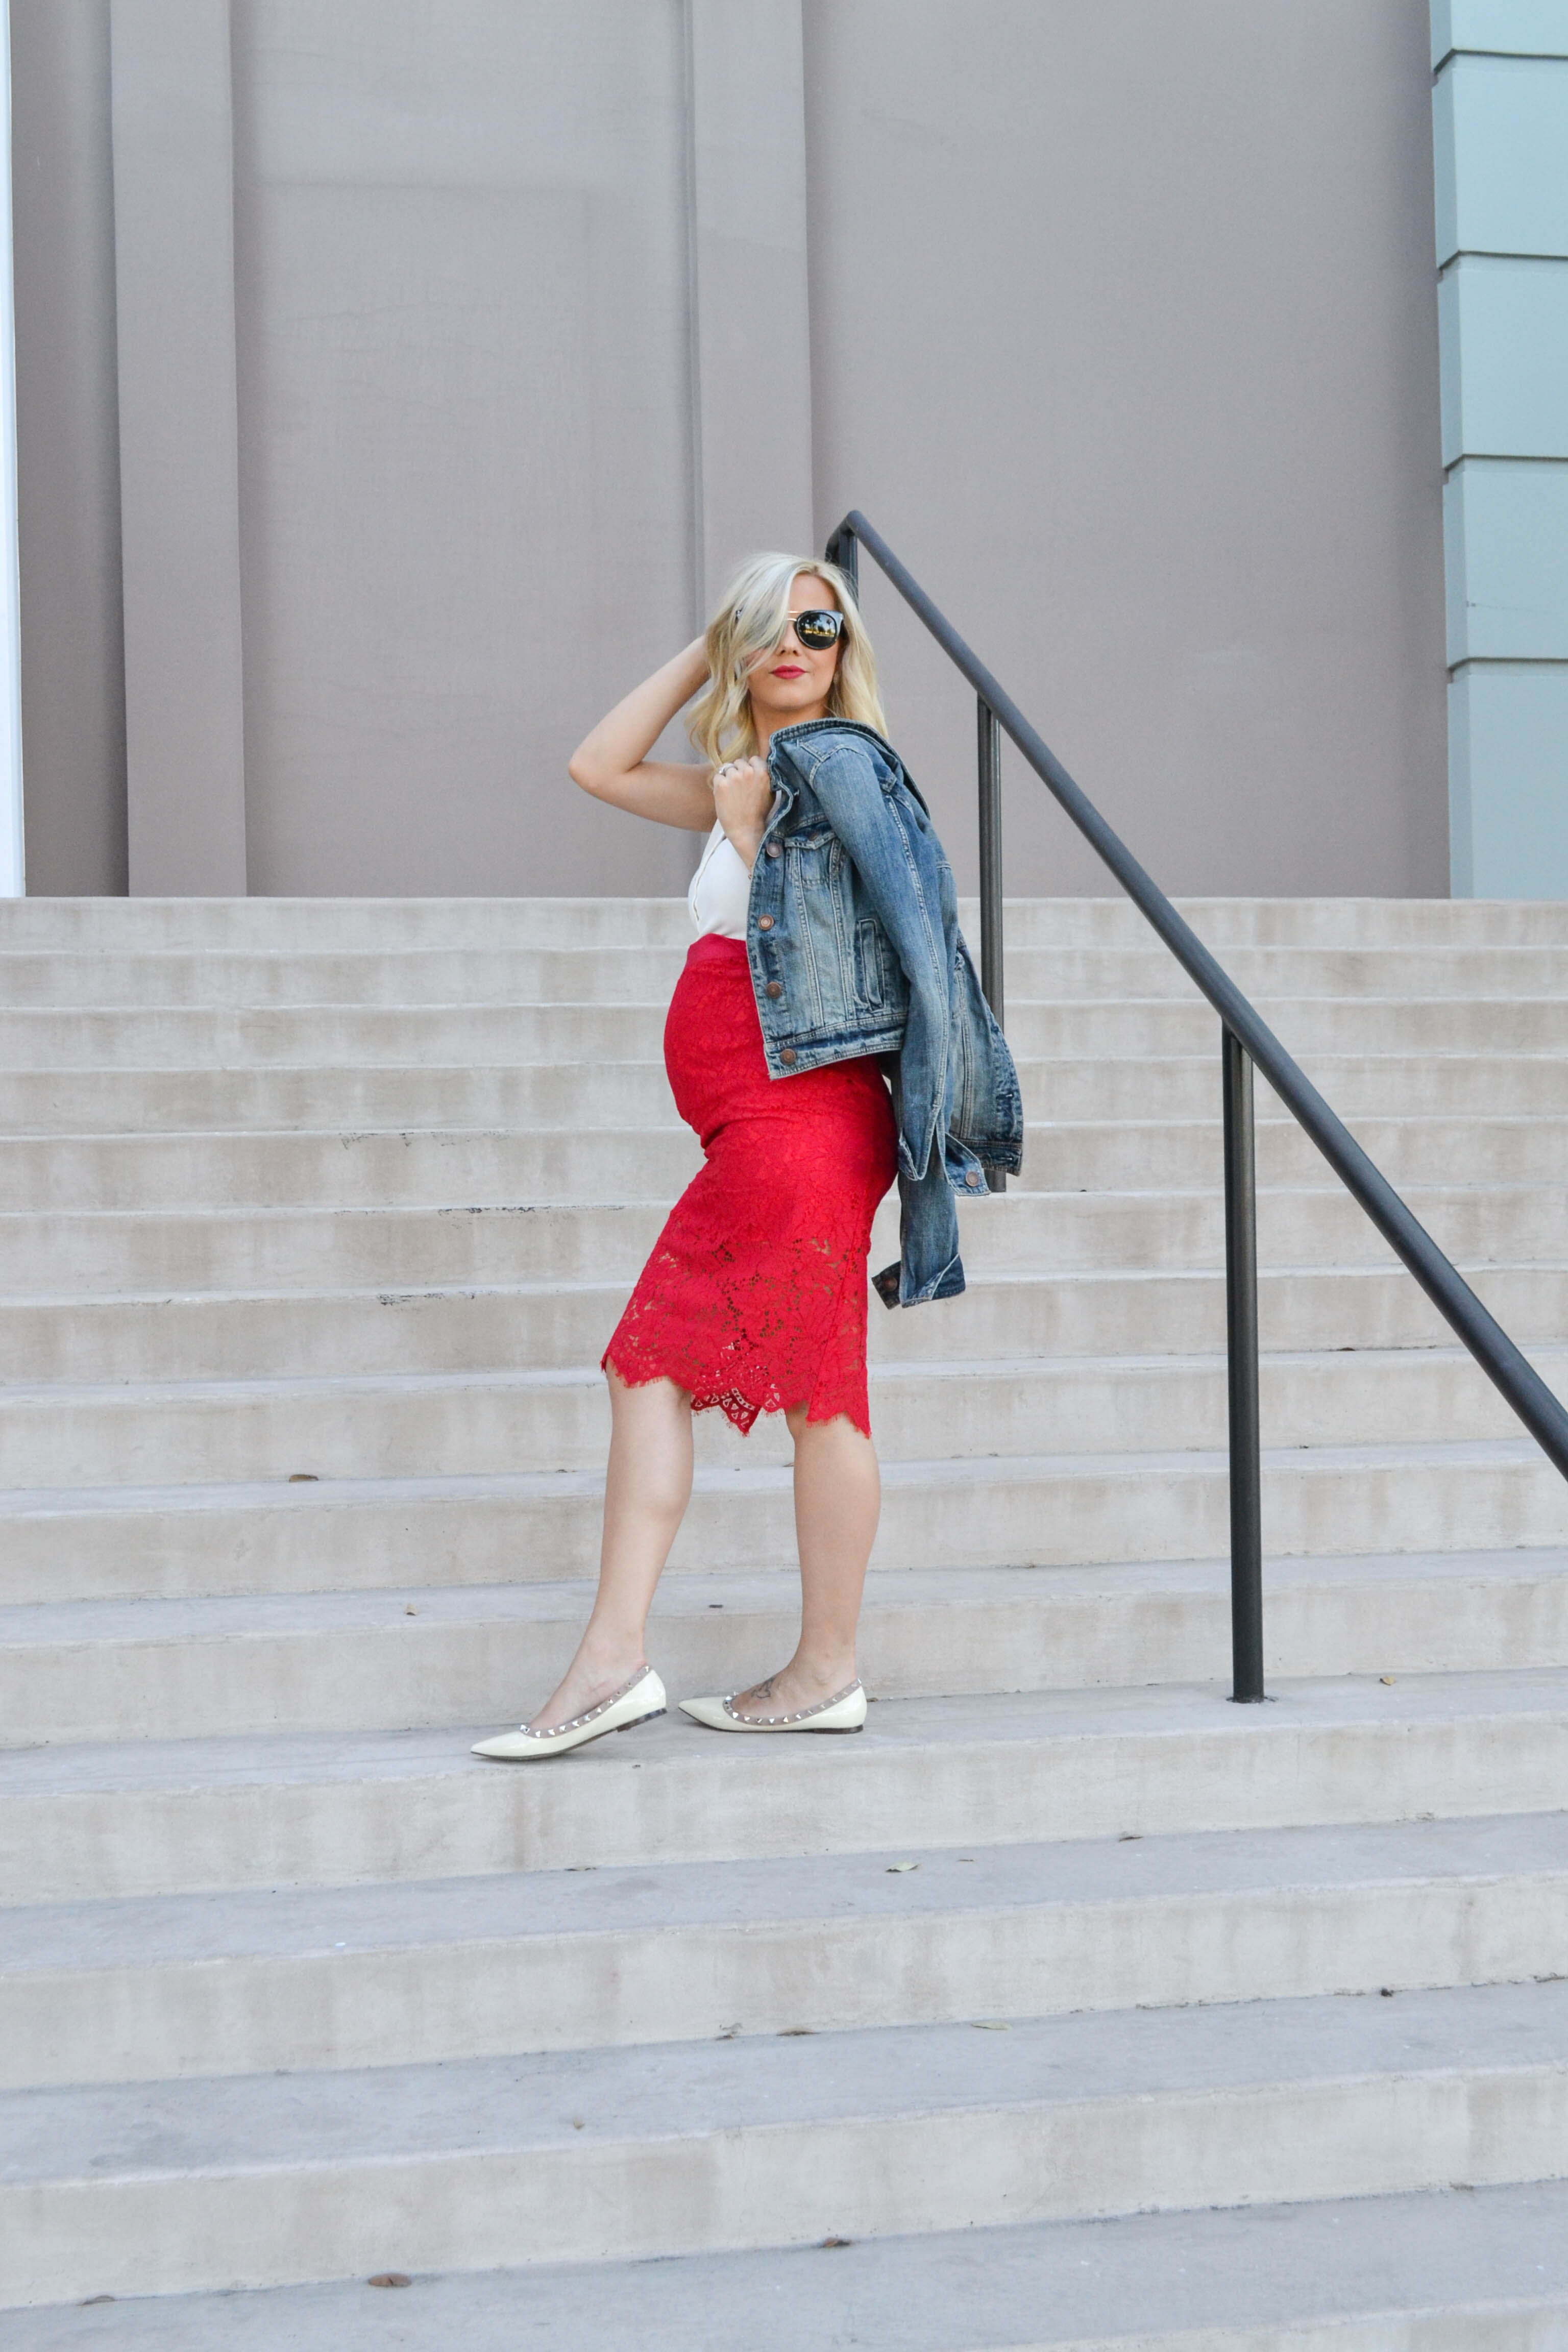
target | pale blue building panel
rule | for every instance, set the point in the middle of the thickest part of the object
(1529, 28)
(1508, 780)
(1500, 151)
(1503, 339)
(1506, 533)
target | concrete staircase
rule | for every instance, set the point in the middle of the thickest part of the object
(1091, 2011)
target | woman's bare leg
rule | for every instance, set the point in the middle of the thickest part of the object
(648, 1484)
(837, 1502)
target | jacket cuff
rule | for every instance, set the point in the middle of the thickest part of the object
(888, 1284)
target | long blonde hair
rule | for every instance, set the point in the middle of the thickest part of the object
(751, 620)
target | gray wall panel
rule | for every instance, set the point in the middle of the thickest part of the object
(1124, 332)
(466, 456)
(751, 333)
(179, 499)
(68, 449)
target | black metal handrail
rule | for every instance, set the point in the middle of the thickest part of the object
(1246, 1040)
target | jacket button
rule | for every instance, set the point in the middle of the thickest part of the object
(787, 1055)
(775, 988)
(972, 1178)
(764, 922)
(774, 850)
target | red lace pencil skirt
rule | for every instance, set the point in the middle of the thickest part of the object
(755, 1297)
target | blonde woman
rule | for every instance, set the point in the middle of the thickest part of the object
(827, 951)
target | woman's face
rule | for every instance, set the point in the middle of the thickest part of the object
(792, 681)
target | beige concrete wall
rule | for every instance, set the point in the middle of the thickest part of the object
(1118, 320)
(1124, 334)
(68, 443)
(171, 85)
(463, 386)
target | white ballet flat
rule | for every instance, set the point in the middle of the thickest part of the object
(638, 1701)
(846, 1711)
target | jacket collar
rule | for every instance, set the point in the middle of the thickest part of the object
(787, 737)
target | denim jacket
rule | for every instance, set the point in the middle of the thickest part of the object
(853, 937)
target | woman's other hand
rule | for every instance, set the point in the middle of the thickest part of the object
(742, 802)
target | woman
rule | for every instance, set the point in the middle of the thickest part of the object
(827, 941)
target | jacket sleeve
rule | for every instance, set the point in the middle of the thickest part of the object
(850, 795)
(847, 784)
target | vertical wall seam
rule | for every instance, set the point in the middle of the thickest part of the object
(693, 319)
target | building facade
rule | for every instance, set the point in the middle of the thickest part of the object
(396, 381)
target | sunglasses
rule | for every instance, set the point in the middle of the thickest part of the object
(817, 631)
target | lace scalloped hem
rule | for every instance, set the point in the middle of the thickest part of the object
(739, 1408)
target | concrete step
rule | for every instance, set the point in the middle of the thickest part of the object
(611, 1093)
(456, 1095)
(607, 972)
(496, 1166)
(178, 1037)
(221, 1335)
(1061, 1511)
(84, 1671)
(433, 1971)
(456, 1425)
(493, 1166)
(323, 925)
(1444, 2270)
(199, 1038)
(553, 1325)
(443, 1240)
(331, 925)
(604, 974)
(690, 2148)
(162, 1817)
(617, 970)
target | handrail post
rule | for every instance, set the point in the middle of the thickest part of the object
(1241, 1350)
(988, 736)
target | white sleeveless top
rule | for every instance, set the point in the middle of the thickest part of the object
(721, 890)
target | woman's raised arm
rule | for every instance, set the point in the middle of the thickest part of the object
(612, 761)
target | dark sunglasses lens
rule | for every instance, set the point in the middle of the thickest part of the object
(818, 629)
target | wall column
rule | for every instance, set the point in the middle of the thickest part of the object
(751, 334)
(1501, 119)
(174, 215)
(13, 867)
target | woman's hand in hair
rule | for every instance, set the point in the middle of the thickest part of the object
(743, 801)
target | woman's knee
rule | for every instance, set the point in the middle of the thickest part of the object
(650, 1402)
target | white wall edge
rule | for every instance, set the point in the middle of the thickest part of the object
(12, 852)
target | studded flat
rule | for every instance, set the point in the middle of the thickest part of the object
(638, 1701)
(845, 1711)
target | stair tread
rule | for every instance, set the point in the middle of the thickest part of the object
(18, 1502)
(570, 1287)
(163, 1139)
(204, 1617)
(1488, 2258)
(629, 1901)
(961, 1369)
(1015, 1204)
(1155, 1711)
(674, 2091)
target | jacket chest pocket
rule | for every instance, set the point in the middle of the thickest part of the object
(813, 860)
